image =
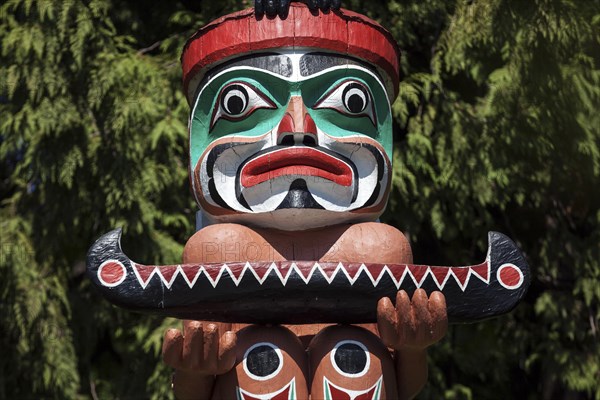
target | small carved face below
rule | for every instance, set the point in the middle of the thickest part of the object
(350, 363)
(271, 365)
(293, 140)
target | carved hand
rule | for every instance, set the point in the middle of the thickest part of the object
(200, 349)
(412, 325)
(281, 7)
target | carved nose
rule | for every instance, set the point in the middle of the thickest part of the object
(297, 126)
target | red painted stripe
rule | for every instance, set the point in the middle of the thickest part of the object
(397, 270)
(342, 32)
(191, 271)
(168, 271)
(461, 273)
(440, 274)
(352, 269)
(329, 269)
(261, 271)
(213, 272)
(375, 270)
(145, 271)
(418, 271)
(236, 269)
(305, 267)
(509, 276)
(481, 270)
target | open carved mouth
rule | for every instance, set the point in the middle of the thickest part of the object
(288, 392)
(302, 161)
(334, 392)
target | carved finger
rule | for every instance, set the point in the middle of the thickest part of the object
(211, 347)
(439, 316)
(422, 317)
(226, 352)
(193, 343)
(172, 348)
(387, 322)
(404, 316)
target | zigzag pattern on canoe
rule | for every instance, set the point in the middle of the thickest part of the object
(306, 270)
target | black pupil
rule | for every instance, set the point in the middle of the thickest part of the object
(235, 103)
(354, 102)
(262, 361)
(350, 358)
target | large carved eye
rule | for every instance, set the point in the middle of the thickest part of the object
(355, 97)
(350, 358)
(263, 361)
(350, 98)
(234, 100)
(237, 100)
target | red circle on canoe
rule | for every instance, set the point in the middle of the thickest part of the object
(510, 276)
(111, 273)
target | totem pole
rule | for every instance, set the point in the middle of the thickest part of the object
(290, 163)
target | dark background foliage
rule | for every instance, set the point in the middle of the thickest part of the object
(497, 127)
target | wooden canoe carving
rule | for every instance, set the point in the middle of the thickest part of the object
(304, 291)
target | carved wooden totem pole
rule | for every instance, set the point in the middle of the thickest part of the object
(290, 163)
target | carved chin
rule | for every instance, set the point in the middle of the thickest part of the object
(288, 392)
(334, 392)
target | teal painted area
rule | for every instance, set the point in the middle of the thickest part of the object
(255, 124)
(338, 124)
(279, 90)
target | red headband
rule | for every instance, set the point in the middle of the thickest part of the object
(240, 33)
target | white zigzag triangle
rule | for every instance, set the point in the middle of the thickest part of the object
(216, 280)
(185, 277)
(138, 276)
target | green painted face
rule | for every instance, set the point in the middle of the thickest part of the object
(321, 119)
(261, 117)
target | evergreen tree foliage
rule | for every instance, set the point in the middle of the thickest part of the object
(497, 128)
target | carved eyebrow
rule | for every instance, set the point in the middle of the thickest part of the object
(311, 63)
(279, 64)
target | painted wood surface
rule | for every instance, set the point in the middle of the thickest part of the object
(305, 291)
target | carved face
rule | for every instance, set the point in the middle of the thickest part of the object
(271, 365)
(294, 140)
(350, 363)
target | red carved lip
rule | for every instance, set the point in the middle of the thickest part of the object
(306, 161)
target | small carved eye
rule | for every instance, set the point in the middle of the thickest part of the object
(263, 361)
(350, 358)
(351, 98)
(355, 98)
(237, 100)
